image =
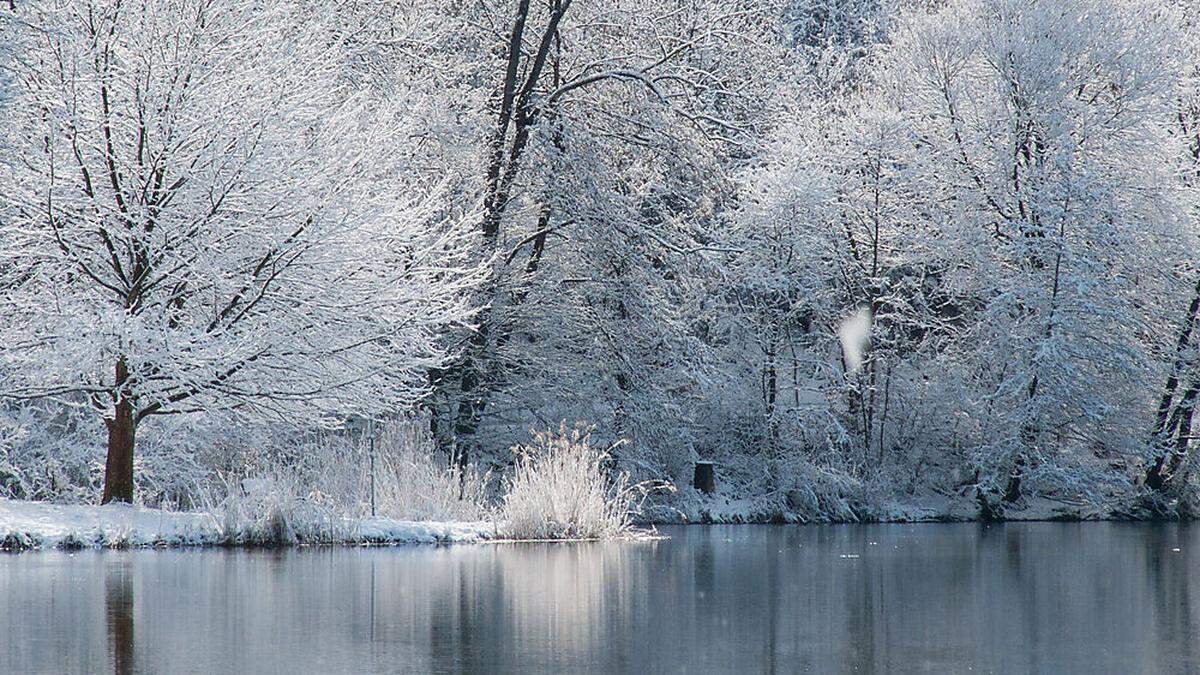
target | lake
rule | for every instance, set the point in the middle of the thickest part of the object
(1017, 597)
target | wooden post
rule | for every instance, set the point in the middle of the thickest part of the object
(705, 478)
(371, 427)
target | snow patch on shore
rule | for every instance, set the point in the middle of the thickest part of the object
(388, 531)
(58, 525)
(44, 525)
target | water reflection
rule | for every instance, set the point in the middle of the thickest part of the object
(1049, 597)
(118, 617)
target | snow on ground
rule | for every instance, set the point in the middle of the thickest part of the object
(388, 531)
(51, 525)
(43, 525)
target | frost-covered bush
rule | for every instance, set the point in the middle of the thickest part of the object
(48, 453)
(54, 452)
(312, 488)
(561, 487)
(415, 482)
(278, 510)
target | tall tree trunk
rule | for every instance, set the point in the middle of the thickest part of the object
(118, 469)
(1167, 418)
(467, 415)
(771, 395)
(1180, 428)
(516, 117)
(1029, 436)
(1012, 490)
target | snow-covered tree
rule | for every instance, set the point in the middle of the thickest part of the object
(994, 181)
(612, 127)
(1046, 125)
(199, 213)
(1171, 433)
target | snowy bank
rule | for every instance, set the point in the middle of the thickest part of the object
(727, 508)
(26, 525)
(388, 531)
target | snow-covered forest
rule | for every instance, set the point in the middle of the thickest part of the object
(873, 259)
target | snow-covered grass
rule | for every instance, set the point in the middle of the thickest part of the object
(319, 490)
(25, 525)
(560, 489)
(413, 481)
(40, 524)
(278, 511)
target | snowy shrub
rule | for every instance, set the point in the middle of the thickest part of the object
(311, 489)
(560, 488)
(73, 541)
(278, 511)
(48, 453)
(15, 542)
(820, 494)
(414, 482)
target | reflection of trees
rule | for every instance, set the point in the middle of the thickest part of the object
(1006, 598)
(1170, 585)
(118, 617)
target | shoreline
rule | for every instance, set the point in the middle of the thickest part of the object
(43, 526)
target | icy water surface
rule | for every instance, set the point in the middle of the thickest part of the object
(1043, 597)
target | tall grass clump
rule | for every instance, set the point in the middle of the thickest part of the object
(413, 481)
(277, 509)
(315, 490)
(561, 487)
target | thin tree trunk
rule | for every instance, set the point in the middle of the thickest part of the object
(1012, 491)
(1029, 434)
(887, 394)
(1177, 367)
(469, 411)
(771, 394)
(493, 203)
(1181, 429)
(516, 117)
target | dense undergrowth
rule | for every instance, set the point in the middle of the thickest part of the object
(280, 489)
(322, 490)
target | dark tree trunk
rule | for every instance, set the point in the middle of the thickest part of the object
(467, 416)
(1172, 441)
(1181, 428)
(1029, 437)
(1174, 417)
(118, 470)
(516, 117)
(1155, 480)
(704, 478)
(1164, 420)
(1184, 436)
(1012, 491)
(771, 394)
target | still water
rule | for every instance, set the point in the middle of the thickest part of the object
(1039, 597)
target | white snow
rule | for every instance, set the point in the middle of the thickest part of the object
(53, 524)
(45, 525)
(388, 531)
